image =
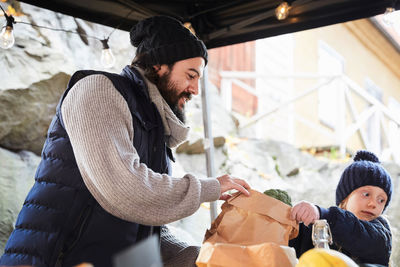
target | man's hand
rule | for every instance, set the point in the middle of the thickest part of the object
(305, 212)
(228, 183)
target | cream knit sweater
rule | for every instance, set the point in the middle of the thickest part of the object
(99, 125)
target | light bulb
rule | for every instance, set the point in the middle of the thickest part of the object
(7, 37)
(107, 58)
(282, 11)
(389, 16)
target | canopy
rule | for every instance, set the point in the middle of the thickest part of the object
(222, 22)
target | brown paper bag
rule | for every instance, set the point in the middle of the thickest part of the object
(253, 220)
(231, 255)
(250, 231)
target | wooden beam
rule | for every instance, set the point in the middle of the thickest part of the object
(374, 40)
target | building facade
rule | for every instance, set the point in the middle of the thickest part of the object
(335, 86)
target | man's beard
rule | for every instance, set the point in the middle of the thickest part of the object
(168, 91)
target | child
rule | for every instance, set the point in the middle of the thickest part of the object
(358, 230)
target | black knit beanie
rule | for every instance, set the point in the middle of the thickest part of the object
(164, 40)
(365, 170)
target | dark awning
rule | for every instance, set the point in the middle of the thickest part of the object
(221, 22)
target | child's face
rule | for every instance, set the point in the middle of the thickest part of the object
(366, 202)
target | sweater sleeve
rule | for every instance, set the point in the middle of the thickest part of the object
(99, 125)
(366, 241)
(176, 253)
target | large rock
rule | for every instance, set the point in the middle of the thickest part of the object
(16, 178)
(26, 113)
(35, 71)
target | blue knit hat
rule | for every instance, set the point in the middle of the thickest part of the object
(365, 170)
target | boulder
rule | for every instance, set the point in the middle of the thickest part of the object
(17, 172)
(26, 113)
(35, 71)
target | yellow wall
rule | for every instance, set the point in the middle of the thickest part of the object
(366, 52)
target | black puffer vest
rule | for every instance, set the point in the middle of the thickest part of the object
(60, 223)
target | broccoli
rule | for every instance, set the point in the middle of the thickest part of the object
(279, 195)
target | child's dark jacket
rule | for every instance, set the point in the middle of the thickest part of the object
(363, 241)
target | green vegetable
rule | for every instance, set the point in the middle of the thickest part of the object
(279, 195)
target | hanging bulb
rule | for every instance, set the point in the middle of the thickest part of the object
(389, 16)
(107, 58)
(282, 11)
(7, 36)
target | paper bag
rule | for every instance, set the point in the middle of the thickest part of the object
(231, 255)
(250, 231)
(253, 220)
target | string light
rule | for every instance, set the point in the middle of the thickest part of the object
(107, 58)
(7, 40)
(7, 36)
(389, 16)
(282, 11)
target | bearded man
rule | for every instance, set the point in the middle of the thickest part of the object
(104, 182)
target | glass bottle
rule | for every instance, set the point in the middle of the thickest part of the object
(321, 234)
